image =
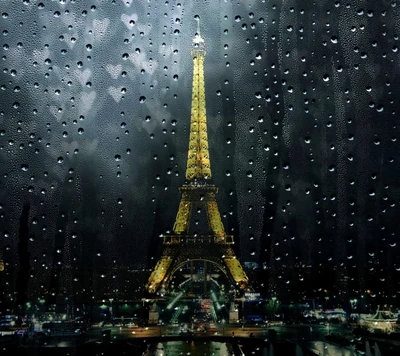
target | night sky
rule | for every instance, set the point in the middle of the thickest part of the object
(302, 125)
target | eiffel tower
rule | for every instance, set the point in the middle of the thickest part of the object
(198, 207)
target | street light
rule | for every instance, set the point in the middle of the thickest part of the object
(243, 318)
(353, 303)
(111, 308)
(326, 301)
(160, 325)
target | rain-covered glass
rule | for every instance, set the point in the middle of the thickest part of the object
(96, 106)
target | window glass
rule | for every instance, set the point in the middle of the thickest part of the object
(96, 106)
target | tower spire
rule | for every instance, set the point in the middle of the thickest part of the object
(198, 162)
(197, 37)
(198, 25)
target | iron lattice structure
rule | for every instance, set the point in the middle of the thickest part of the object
(185, 244)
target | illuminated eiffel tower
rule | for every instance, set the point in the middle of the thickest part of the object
(198, 205)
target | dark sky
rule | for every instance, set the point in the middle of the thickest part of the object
(302, 118)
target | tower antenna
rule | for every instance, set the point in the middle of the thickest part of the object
(197, 18)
